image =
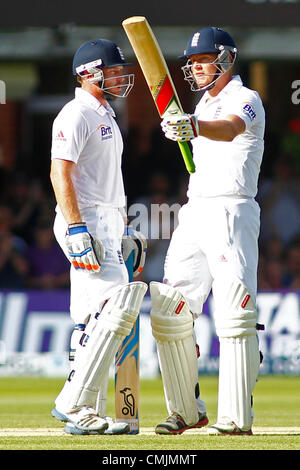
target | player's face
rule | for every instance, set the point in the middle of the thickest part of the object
(114, 79)
(117, 82)
(203, 69)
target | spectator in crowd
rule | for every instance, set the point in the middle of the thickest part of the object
(135, 161)
(271, 264)
(292, 277)
(279, 198)
(13, 262)
(158, 218)
(271, 275)
(274, 249)
(48, 266)
(28, 202)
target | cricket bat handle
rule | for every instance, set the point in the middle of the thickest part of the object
(187, 156)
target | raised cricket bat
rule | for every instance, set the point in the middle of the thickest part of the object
(127, 380)
(157, 75)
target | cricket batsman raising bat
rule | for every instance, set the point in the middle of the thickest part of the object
(157, 75)
(214, 247)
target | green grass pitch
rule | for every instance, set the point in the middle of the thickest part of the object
(26, 422)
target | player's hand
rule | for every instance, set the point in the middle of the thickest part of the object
(85, 252)
(136, 242)
(181, 128)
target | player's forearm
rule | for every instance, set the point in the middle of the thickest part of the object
(218, 130)
(65, 194)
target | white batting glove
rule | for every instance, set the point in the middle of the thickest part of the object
(181, 128)
(136, 242)
(84, 251)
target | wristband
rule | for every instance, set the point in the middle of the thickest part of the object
(79, 227)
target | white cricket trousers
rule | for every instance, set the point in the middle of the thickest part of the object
(216, 238)
(90, 290)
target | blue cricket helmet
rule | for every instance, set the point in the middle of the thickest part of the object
(94, 56)
(209, 40)
(106, 52)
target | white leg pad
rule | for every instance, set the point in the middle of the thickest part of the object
(113, 325)
(238, 371)
(235, 319)
(172, 327)
(102, 395)
(235, 310)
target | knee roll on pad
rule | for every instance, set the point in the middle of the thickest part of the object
(235, 310)
(113, 325)
(172, 327)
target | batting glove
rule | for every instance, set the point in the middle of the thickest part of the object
(181, 128)
(84, 251)
(136, 242)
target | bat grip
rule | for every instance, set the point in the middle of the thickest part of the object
(187, 156)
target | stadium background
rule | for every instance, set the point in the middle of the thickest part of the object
(37, 42)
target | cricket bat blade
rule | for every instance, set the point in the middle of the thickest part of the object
(157, 75)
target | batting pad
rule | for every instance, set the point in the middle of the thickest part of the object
(235, 310)
(238, 372)
(235, 319)
(172, 327)
(102, 395)
(113, 325)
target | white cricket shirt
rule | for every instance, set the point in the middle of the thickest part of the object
(86, 133)
(229, 168)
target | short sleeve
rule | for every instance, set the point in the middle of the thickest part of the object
(247, 106)
(69, 134)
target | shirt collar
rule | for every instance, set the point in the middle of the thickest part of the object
(235, 82)
(89, 100)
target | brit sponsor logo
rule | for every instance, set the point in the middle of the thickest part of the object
(106, 132)
(249, 111)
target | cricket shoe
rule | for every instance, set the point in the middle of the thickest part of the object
(113, 429)
(84, 419)
(117, 427)
(230, 429)
(71, 428)
(175, 424)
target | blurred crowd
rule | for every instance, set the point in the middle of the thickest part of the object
(279, 199)
(29, 254)
(30, 257)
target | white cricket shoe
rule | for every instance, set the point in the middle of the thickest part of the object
(116, 427)
(230, 429)
(112, 429)
(83, 419)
